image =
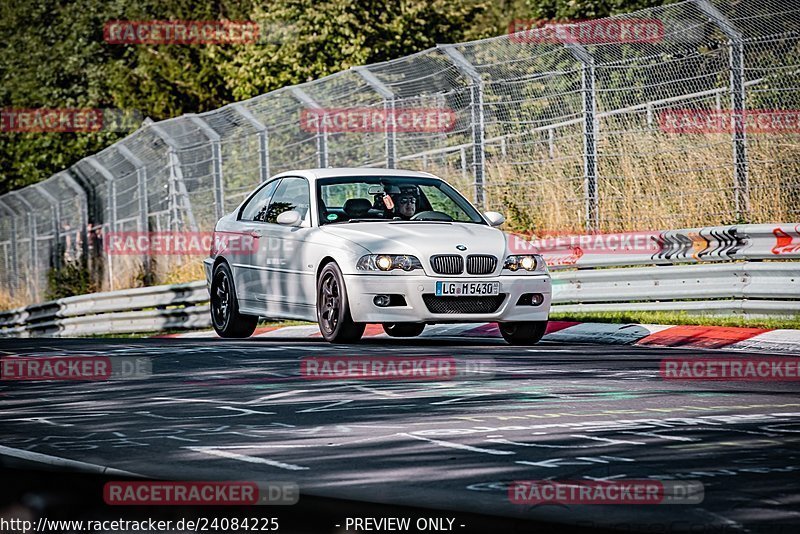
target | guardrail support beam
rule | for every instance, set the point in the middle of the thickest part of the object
(591, 128)
(263, 139)
(14, 258)
(144, 209)
(83, 201)
(112, 211)
(32, 236)
(322, 131)
(388, 111)
(178, 195)
(216, 157)
(55, 208)
(737, 88)
(476, 119)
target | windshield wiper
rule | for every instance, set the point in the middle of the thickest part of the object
(365, 220)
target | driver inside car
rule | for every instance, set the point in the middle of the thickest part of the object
(404, 204)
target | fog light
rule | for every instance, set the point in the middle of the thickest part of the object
(381, 300)
(537, 299)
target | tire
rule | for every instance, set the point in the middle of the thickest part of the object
(333, 308)
(523, 333)
(403, 329)
(225, 316)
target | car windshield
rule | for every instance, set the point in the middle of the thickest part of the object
(391, 198)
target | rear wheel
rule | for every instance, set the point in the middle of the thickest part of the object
(333, 308)
(523, 333)
(225, 316)
(403, 329)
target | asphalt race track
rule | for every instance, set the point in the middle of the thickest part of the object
(221, 410)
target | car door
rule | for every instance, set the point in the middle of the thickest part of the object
(251, 222)
(278, 273)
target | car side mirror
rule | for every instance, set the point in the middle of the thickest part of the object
(288, 218)
(494, 218)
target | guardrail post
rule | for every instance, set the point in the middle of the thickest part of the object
(263, 139)
(32, 236)
(476, 118)
(55, 208)
(741, 187)
(322, 132)
(590, 135)
(388, 110)
(112, 211)
(141, 185)
(178, 194)
(216, 156)
(14, 258)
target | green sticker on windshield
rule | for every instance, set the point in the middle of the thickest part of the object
(332, 217)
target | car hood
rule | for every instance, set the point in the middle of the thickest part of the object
(422, 239)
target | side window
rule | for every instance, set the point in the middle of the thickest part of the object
(256, 208)
(292, 194)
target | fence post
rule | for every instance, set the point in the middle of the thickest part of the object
(590, 134)
(388, 110)
(741, 188)
(322, 133)
(112, 212)
(141, 186)
(178, 193)
(14, 258)
(32, 236)
(216, 156)
(84, 206)
(263, 140)
(476, 118)
(55, 208)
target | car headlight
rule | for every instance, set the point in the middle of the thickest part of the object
(528, 262)
(388, 262)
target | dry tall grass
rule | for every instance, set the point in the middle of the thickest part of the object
(647, 181)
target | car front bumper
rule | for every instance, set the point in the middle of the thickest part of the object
(362, 289)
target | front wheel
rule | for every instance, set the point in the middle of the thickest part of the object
(225, 316)
(523, 333)
(403, 329)
(333, 308)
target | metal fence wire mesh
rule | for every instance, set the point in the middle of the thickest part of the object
(560, 135)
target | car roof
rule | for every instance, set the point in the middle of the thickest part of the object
(332, 172)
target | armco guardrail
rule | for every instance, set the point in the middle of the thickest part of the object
(779, 241)
(146, 309)
(713, 270)
(767, 288)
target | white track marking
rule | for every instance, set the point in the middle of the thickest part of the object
(250, 459)
(452, 445)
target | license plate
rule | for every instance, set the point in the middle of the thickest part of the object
(466, 289)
